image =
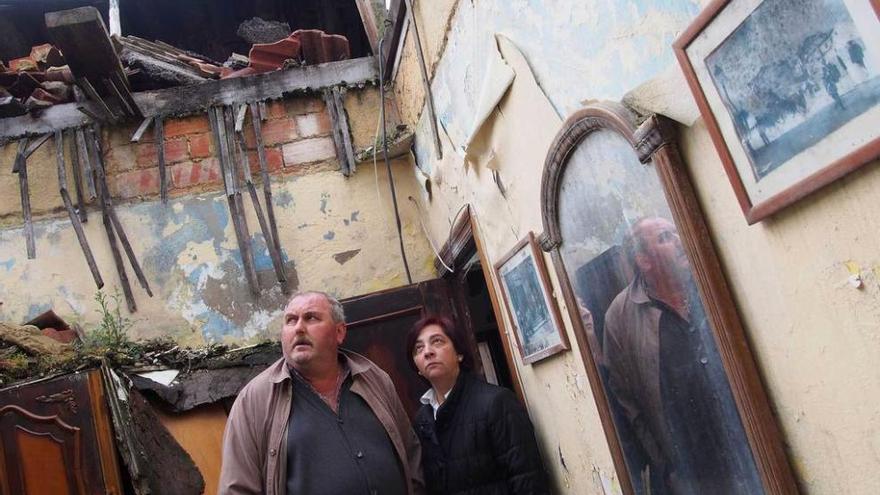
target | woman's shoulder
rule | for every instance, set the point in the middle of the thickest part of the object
(487, 393)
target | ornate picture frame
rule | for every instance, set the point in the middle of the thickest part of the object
(528, 297)
(590, 230)
(789, 91)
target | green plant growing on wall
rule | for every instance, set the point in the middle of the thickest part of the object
(111, 335)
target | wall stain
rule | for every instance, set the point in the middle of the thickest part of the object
(229, 298)
(324, 199)
(354, 215)
(8, 264)
(283, 199)
(344, 256)
(330, 235)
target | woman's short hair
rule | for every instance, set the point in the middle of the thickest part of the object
(455, 336)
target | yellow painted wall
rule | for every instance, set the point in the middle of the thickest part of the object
(557, 391)
(815, 337)
(337, 234)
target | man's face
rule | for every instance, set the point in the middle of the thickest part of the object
(310, 337)
(661, 252)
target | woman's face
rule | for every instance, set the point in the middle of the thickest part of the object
(434, 355)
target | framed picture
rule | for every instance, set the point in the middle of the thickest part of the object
(789, 91)
(529, 301)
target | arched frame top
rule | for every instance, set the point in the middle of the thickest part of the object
(653, 142)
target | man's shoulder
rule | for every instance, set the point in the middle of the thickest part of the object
(361, 365)
(617, 304)
(262, 384)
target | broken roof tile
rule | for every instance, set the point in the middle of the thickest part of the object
(319, 47)
(265, 57)
(22, 64)
(309, 46)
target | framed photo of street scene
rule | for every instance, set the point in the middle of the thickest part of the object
(789, 91)
(529, 300)
(677, 389)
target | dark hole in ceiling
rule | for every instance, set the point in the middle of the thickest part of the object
(208, 27)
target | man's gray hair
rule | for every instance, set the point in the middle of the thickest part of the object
(336, 311)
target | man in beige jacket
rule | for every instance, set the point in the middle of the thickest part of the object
(321, 419)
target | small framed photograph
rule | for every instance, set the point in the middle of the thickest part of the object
(789, 91)
(529, 300)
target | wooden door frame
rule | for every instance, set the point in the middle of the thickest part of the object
(654, 142)
(464, 241)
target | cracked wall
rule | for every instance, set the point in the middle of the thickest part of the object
(337, 234)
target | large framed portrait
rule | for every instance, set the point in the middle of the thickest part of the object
(789, 91)
(529, 300)
(675, 384)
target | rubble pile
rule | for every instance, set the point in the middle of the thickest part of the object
(38, 81)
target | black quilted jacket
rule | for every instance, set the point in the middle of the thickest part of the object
(481, 443)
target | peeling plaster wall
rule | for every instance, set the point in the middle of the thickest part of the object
(337, 234)
(814, 336)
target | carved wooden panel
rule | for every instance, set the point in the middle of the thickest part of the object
(55, 438)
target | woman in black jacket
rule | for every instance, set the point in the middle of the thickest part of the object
(476, 437)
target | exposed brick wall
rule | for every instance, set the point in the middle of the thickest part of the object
(296, 136)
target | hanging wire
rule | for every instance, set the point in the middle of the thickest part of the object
(385, 156)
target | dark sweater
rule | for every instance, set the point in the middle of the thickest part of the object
(482, 442)
(348, 452)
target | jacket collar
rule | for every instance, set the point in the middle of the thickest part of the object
(638, 292)
(357, 364)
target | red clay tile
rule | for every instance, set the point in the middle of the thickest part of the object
(47, 55)
(271, 56)
(319, 47)
(22, 64)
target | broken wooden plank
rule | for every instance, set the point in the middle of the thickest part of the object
(139, 133)
(155, 68)
(129, 252)
(92, 141)
(274, 253)
(77, 176)
(160, 154)
(117, 401)
(124, 103)
(93, 95)
(256, 118)
(215, 117)
(86, 160)
(200, 387)
(20, 168)
(341, 131)
(82, 37)
(74, 219)
(101, 178)
(239, 117)
(188, 100)
(120, 82)
(237, 206)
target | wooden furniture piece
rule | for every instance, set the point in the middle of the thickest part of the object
(56, 437)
